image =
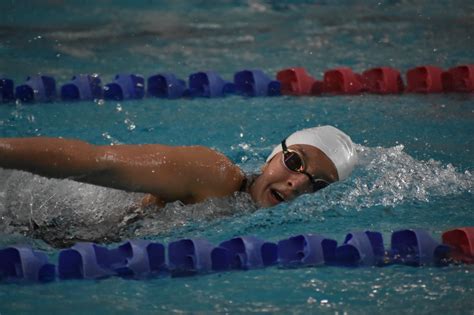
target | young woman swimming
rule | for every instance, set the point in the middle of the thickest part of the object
(306, 161)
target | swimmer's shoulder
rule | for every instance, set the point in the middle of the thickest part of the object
(212, 173)
(224, 175)
(204, 173)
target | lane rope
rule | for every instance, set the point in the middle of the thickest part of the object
(249, 83)
(140, 259)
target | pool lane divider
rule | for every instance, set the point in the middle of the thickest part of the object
(249, 83)
(140, 259)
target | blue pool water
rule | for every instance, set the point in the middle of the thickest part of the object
(416, 151)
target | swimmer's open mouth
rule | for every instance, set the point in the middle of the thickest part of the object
(277, 195)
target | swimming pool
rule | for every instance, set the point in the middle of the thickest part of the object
(415, 150)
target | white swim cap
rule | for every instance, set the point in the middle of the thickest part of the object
(337, 146)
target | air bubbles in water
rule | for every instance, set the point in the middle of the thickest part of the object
(113, 141)
(130, 124)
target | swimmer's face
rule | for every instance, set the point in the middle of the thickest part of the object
(278, 184)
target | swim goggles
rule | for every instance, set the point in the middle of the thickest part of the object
(293, 161)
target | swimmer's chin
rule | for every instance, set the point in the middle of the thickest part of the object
(269, 198)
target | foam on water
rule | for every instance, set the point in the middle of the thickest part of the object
(393, 177)
(62, 211)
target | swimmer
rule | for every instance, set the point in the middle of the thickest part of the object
(305, 162)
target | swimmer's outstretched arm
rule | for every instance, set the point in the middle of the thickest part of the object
(190, 174)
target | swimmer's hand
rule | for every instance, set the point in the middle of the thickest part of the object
(189, 174)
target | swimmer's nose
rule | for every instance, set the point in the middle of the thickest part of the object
(298, 183)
